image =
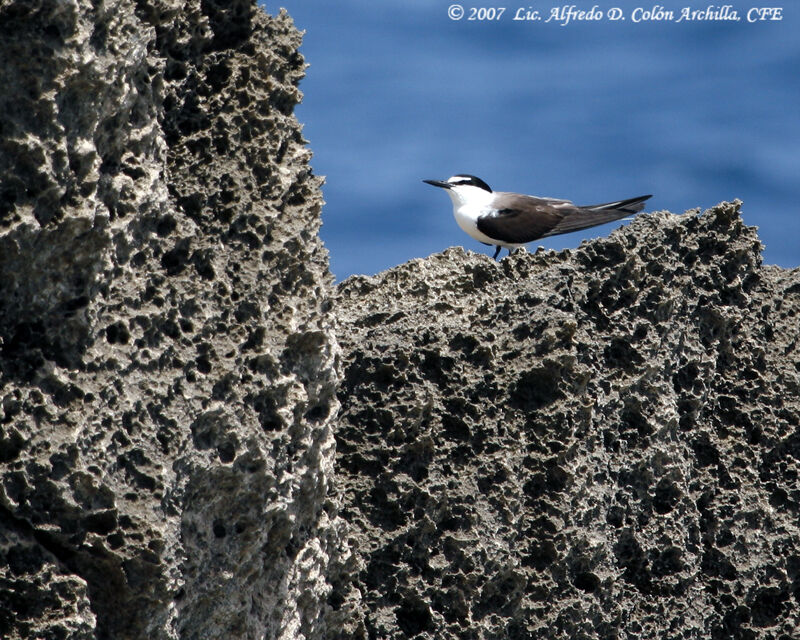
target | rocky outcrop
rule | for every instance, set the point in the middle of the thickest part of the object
(598, 443)
(167, 365)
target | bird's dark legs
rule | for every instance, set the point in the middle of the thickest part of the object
(499, 249)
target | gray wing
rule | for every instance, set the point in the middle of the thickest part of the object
(596, 214)
(522, 219)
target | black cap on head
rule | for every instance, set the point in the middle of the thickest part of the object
(467, 179)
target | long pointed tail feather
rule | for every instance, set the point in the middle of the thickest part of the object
(597, 214)
(631, 205)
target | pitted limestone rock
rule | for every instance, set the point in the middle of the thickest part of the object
(595, 443)
(168, 369)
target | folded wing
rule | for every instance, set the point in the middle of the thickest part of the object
(596, 214)
(521, 218)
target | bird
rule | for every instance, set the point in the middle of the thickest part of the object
(511, 220)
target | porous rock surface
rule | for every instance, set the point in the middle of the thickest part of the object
(167, 364)
(597, 443)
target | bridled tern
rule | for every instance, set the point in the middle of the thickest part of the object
(510, 220)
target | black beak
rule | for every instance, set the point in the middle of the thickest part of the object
(438, 183)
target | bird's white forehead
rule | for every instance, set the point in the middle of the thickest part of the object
(457, 179)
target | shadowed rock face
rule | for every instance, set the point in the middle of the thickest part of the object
(596, 443)
(167, 366)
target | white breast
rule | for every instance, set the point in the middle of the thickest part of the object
(469, 204)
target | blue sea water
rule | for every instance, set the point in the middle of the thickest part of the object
(694, 112)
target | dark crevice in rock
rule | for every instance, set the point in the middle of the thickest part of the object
(118, 613)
